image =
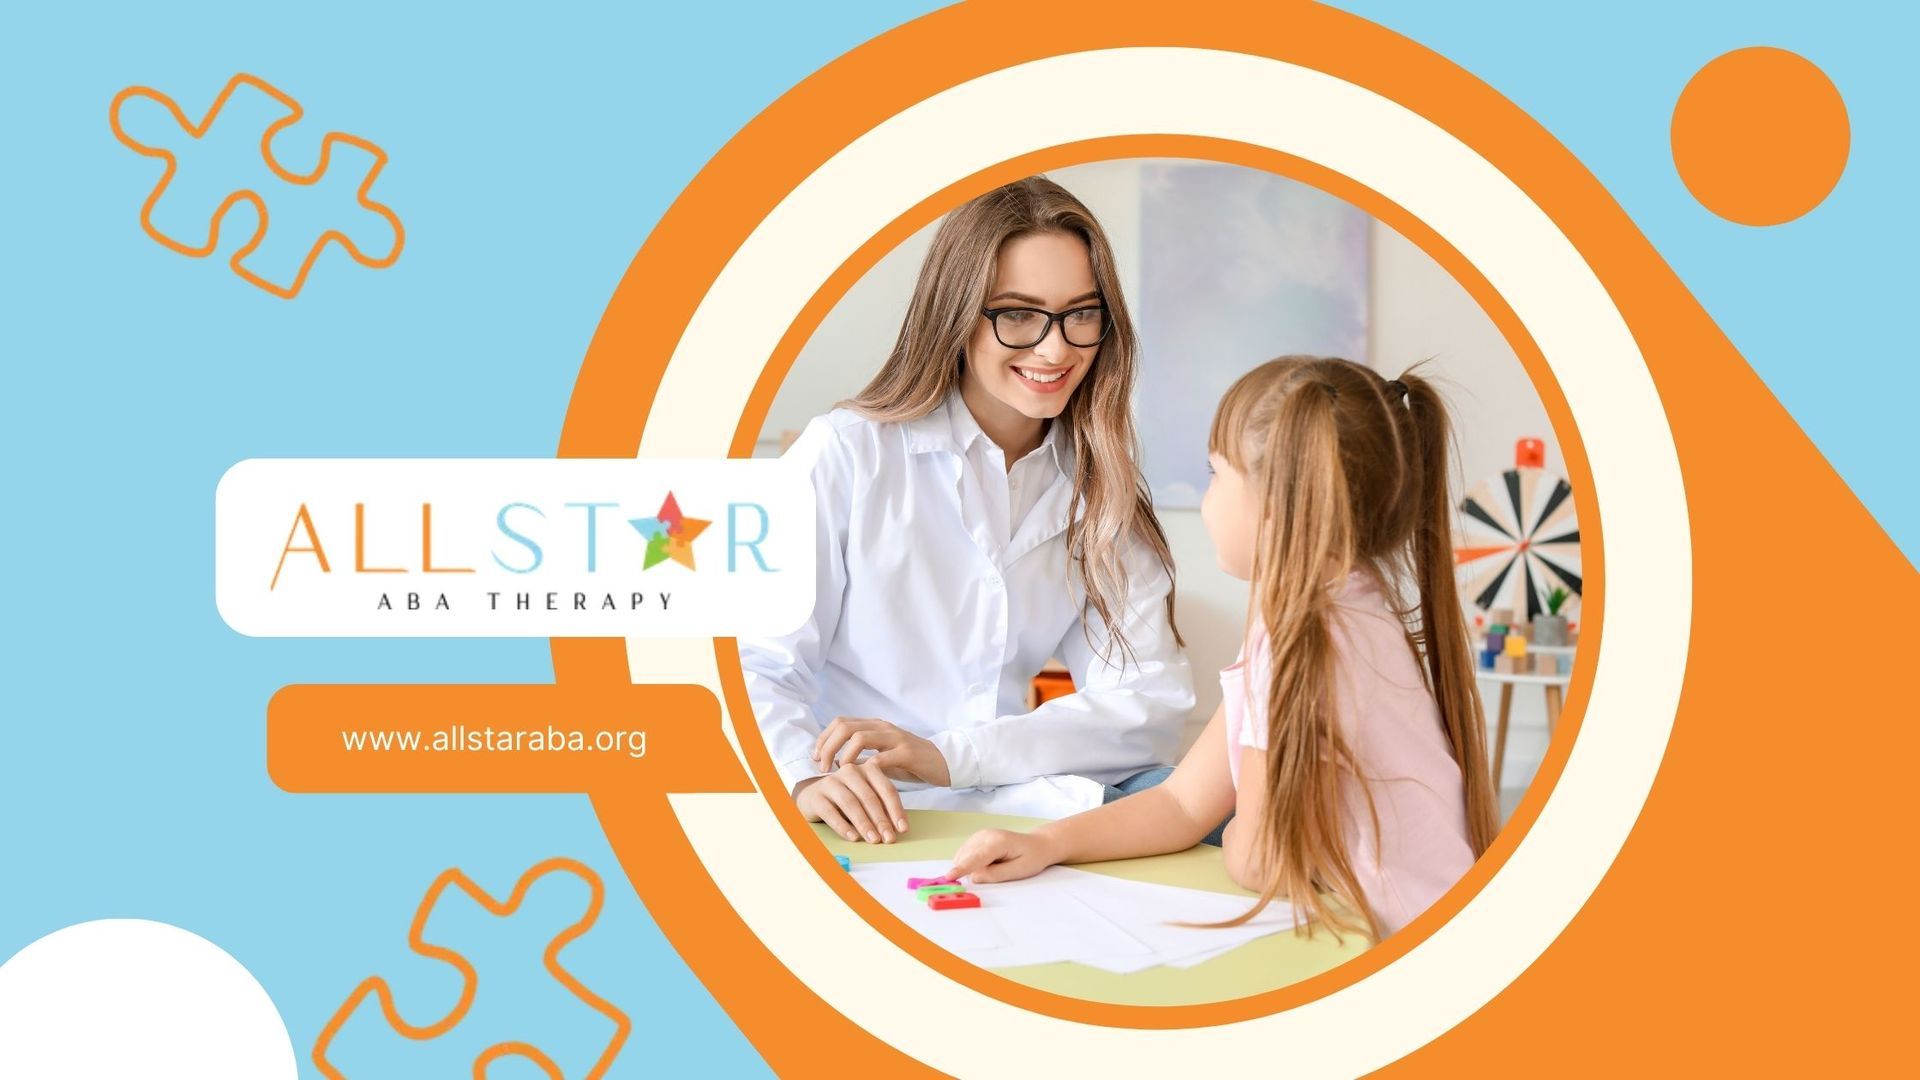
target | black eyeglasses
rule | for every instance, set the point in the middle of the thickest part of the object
(1025, 327)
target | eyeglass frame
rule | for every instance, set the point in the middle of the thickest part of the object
(992, 315)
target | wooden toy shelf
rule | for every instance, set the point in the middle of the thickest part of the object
(1551, 685)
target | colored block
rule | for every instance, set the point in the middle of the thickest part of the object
(1506, 665)
(845, 863)
(953, 900)
(919, 882)
(1515, 646)
(1487, 657)
(927, 891)
(1497, 642)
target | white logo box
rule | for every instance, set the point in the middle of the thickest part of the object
(754, 507)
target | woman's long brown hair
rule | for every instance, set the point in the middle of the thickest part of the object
(1351, 476)
(1111, 499)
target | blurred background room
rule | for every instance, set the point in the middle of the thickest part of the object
(1225, 267)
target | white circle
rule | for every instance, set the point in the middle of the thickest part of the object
(131, 997)
(1496, 227)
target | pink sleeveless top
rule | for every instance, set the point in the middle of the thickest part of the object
(1393, 727)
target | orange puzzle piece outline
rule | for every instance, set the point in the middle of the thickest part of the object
(259, 204)
(470, 979)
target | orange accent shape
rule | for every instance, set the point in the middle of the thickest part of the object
(1657, 951)
(470, 979)
(295, 112)
(1760, 136)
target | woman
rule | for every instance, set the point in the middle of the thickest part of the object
(980, 509)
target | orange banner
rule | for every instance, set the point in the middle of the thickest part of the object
(513, 738)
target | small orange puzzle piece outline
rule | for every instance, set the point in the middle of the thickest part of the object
(259, 204)
(470, 980)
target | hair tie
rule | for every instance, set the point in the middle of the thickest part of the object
(1399, 389)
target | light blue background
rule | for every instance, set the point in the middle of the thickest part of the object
(531, 155)
(1814, 305)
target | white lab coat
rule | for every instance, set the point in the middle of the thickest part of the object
(925, 618)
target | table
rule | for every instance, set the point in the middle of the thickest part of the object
(1273, 961)
(1551, 685)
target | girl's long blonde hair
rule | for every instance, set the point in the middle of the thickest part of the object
(1351, 470)
(1111, 499)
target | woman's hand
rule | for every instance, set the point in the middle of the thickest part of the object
(898, 752)
(998, 855)
(856, 800)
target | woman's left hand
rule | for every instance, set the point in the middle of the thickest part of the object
(899, 753)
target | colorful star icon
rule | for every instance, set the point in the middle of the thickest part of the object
(669, 534)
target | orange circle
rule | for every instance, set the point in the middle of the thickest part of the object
(784, 1018)
(760, 763)
(1760, 136)
(1645, 955)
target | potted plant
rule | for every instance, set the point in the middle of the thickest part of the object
(1551, 628)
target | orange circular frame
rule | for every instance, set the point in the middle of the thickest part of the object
(1164, 146)
(749, 176)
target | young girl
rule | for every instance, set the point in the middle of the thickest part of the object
(980, 509)
(1349, 744)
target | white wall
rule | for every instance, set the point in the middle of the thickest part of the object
(1417, 312)
(1420, 312)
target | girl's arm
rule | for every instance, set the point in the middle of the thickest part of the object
(1244, 863)
(1173, 816)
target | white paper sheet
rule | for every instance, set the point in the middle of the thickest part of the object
(1200, 958)
(1043, 927)
(1066, 914)
(1153, 914)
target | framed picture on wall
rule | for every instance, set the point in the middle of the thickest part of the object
(1237, 266)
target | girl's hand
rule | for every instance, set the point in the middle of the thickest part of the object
(857, 801)
(898, 752)
(998, 855)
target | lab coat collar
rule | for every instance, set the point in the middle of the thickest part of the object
(934, 431)
(940, 430)
(952, 428)
(1060, 444)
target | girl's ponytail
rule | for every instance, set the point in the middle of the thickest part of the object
(1304, 543)
(1353, 476)
(1443, 637)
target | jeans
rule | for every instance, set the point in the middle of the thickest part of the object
(1141, 781)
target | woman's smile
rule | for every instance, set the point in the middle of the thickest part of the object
(1043, 380)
